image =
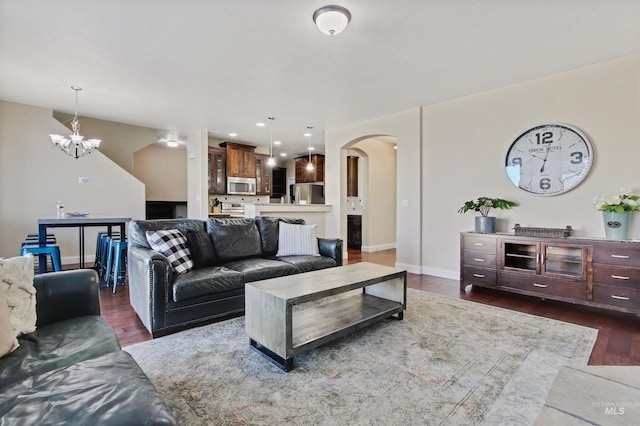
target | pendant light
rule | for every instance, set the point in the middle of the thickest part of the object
(309, 167)
(271, 161)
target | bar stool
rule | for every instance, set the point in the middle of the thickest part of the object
(33, 239)
(52, 250)
(102, 252)
(116, 263)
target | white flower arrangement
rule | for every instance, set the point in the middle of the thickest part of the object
(623, 201)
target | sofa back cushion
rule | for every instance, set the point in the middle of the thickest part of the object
(137, 233)
(201, 248)
(268, 227)
(234, 239)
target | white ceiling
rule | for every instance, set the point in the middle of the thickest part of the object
(225, 65)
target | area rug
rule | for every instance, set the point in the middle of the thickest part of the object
(448, 362)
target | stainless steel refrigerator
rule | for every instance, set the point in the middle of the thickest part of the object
(307, 193)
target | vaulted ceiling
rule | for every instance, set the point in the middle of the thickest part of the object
(225, 65)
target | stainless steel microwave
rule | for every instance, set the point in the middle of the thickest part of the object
(241, 186)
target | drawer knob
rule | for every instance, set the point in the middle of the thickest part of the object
(619, 277)
(539, 285)
(478, 275)
(619, 256)
(478, 260)
(613, 296)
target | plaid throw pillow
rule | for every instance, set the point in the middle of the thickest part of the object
(173, 244)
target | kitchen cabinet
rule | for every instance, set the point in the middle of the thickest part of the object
(241, 160)
(591, 272)
(263, 175)
(354, 231)
(352, 176)
(316, 175)
(217, 176)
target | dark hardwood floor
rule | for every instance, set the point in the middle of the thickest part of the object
(618, 340)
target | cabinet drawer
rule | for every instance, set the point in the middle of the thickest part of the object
(623, 256)
(480, 276)
(624, 297)
(617, 276)
(479, 258)
(485, 244)
(544, 286)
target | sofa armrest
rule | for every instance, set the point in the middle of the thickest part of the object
(331, 247)
(150, 276)
(67, 294)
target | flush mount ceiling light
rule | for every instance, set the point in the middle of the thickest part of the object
(332, 20)
(76, 146)
(172, 140)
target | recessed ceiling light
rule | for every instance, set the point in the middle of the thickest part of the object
(260, 124)
(172, 144)
(311, 148)
(233, 135)
(277, 143)
(307, 135)
(283, 154)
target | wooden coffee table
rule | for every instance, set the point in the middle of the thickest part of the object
(279, 331)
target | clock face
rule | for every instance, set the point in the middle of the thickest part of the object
(549, 159)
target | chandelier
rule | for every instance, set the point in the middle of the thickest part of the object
(76, 146)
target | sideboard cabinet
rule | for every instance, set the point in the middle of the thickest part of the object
(591, 272)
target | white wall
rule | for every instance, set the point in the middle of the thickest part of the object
(163, 171)
(465, 142)
(405, 126)
(34, 175)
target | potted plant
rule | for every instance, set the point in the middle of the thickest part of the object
(616, 212)
(484, 223)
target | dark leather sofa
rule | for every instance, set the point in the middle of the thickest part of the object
(71, 370)
(228, 253)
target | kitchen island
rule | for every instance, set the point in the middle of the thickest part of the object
(311, 213)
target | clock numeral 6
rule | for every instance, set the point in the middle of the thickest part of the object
(546, 137)
(545, 183)
(576, 157)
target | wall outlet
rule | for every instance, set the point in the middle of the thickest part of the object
(83, 180)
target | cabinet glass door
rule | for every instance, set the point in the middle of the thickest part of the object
(521, 256)
(564, 260)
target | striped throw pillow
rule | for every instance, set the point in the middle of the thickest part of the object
(173, 244)
(297, 240)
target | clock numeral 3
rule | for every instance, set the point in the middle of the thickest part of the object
(576, 157)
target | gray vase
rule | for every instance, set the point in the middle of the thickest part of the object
(485, 225)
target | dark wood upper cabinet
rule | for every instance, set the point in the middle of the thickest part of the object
(217, 162)
(316, 175)
(241, 160)
(352, 176)
(263, 175)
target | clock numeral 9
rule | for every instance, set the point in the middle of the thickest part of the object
(516, 161)
(546, 137)
(545, 183)
(576, 157)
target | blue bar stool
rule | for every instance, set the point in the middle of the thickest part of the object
(52, 250)
(102, 252)
(116, 263)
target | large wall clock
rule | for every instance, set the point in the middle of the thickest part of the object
(549, 159)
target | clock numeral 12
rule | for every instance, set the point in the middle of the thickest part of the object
(546, 137)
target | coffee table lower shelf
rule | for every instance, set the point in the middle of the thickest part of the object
(317, 325)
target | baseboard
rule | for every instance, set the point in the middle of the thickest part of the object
(369, 249)
(442, 273)
(412, 269)
(74, 260)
